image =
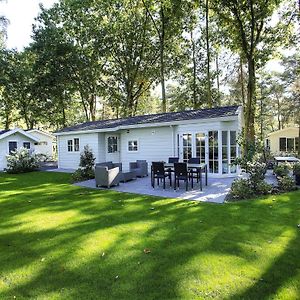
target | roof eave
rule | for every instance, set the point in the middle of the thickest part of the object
(173, 123)
(21, 131)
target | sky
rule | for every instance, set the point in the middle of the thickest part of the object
(21, 14)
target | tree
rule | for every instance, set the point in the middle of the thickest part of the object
(246, 25)
(166, 16)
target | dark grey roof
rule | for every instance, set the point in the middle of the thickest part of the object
(3, 131)
(157, 118)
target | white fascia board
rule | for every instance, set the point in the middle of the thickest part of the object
(21, 131)
(149, 125)
(283, 130)
(42, 132)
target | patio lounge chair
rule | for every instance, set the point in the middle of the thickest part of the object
(107, 177)
(110, 165)
(140, 167)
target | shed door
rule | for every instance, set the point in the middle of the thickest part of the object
(113, 148)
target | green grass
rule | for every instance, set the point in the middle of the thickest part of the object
(58, 241)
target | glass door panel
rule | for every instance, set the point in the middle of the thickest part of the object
(200, 146)
(186, 146)
(233, 150)
(225, 165)
(213, 163)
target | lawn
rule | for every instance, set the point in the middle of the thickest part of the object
(58, 241)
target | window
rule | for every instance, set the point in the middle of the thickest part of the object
(132, 145)
(112, 144)
(76, 144)
(200, 146)
(187, 146)
(290, 144)
(232, 151)
(26, 145)
(70, 145)
(225, 168)
(213, 152)
(41, 143)
(12, 146)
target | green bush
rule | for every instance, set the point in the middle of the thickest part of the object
(256, 171)
(264, 188)
(86, 166)
(296, 169)
(282, 170)
(22, 161)
(241, 189)
(286, 183)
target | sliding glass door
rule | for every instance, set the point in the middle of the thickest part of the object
(217, 148)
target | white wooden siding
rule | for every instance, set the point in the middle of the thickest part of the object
(17, 137)
(154, 144)
(70, 160)
(45, 149)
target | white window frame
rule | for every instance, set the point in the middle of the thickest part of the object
(74, 148)
(71, 145)
(29, 145)
(138, 145)
(107, 144)
(13, 141)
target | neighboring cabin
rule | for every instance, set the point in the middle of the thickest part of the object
(46, 144)
(210, 134)
(283, 141)
(11, 140)
(35, 140)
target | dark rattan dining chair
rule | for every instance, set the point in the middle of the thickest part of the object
(194, 173)
(172, 160)
(158, 172)
(181, 173)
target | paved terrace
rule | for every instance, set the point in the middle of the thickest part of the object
(215, 191)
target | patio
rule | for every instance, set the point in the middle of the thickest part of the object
(215, 191)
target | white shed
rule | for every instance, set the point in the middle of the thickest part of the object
(46, 144)
(11, 140)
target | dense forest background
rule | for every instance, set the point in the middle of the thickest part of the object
(92, 60)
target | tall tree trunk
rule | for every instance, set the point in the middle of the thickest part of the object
(195, 106)
(92, 107)
(278, 113)
(218, 78)
(250, 107)
(242, 82)
(209, 100)
(162, 61)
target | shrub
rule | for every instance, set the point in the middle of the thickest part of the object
(241, 189)
(286, 183)
(264, 188)
(86, 166)
(22, 161)
(281, 170)
(256, 172)
(296, 169)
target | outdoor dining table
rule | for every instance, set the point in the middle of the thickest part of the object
(279, 159)
(200, 167)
